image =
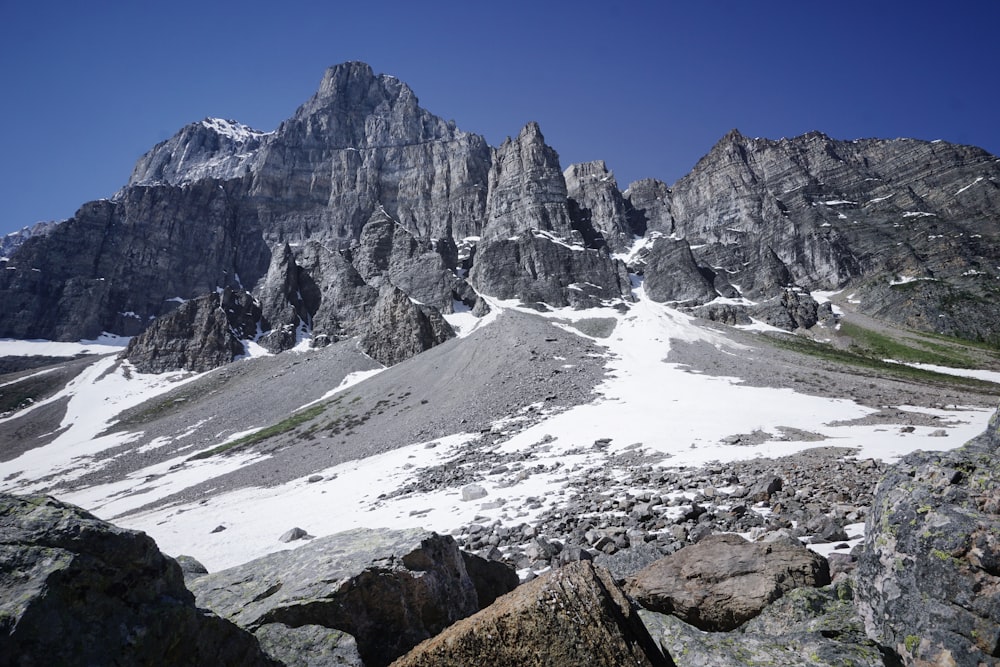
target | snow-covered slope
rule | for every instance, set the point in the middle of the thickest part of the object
(224, 511)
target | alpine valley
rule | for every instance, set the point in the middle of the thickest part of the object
(388, 394)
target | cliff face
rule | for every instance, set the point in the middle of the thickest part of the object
(912, 225)
(362, 187)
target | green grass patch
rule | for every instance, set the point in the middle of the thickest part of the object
(284, 426)
(855, 359)
(911, 350)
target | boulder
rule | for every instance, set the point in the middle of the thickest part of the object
(75, 590)
(929, 574)
(388, 589)
(723, 580)
(308, 645)
(812, 627)
(572, 616)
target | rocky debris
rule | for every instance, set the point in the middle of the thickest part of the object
(388, 589)
(627, 521)
(573, 616)
(929, 573)
(75, 590)
(398, 328)
(807, 626)
(723, 580)
(597, 209)
(200, 335)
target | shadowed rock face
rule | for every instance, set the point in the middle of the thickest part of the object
(575, 615)
(75, 590)
(398, 328)
(200, 335)
(864, 213)
(929, 576)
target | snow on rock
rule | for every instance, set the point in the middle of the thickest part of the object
(238, 132)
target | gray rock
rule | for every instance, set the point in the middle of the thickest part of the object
(398, 328)
(929, 571)
(75, 590)
(650, 207)
(671, 274)
(575, 615)
(308, 645)
(696, 648)
(597, 209)
(387, 589)
(527, 190)
(723, 580)
(200, 335)
(386, 249)
(537, 268)
(294, 534)
(473, 492)
(790, 310)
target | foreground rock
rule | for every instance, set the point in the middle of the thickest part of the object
(816, 627)
(75, 590)
(573, 616)
(929, 576)
(723, 580)
(387, 589)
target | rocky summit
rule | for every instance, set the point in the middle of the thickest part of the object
(387, 394)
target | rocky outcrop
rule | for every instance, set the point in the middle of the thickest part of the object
(908, 226)
(75, 590)
(398, 328)
(526, 189)
(388, 589)
(597, 208)
(821, 214)
(537, 267)
(671, 274)
(386, 250)
(650, 207)
(360, 143)
(118, 264)
(209, 149)
(723, 580)
(929, 574)
(807, 626)
(573, 616)
(200, 335)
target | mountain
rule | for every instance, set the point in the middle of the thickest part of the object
(368, 319)
(362, 186)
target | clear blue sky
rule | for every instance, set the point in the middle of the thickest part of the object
(88, 87)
